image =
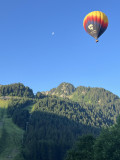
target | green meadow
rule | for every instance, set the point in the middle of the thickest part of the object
(10, 135)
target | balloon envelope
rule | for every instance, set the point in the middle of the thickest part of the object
(95, 23)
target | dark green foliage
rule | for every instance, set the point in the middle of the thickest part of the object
(19, 157)
(107, 145)
(2, 130)
(82, 113)
(40, 95)
(16, 110)
(49, 136)
(2, 112)
(16, 89)
(18, 104)
(21, 117)
(83, 149)
(62, 107)
(3, 139)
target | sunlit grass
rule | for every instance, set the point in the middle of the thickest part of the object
(4, 103)
(14, 135)
(29, 108)
(13, 138)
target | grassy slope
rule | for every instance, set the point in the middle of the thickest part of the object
(29, 107)
(13, 138)
(4, 103)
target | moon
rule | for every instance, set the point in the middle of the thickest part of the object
(53, 33)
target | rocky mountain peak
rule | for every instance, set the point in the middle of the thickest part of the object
(63, 90)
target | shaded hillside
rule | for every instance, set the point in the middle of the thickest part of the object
(16, 89)
(47, 132)
(51, 135)
(93, 115)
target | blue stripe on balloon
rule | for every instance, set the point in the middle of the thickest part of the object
(102, 30)
(99, 27)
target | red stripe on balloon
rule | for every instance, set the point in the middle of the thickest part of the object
(95, 19)
(85, 22)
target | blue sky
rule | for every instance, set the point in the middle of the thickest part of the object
(43, 43)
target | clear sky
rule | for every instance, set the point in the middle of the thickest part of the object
(43, 43)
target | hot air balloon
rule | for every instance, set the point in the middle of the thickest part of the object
(95, 23)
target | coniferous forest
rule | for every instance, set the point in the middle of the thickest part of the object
(65, 123)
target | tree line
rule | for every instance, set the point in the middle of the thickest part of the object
(16, 89)
(105, 146)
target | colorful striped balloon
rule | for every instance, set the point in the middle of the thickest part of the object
(95, 24)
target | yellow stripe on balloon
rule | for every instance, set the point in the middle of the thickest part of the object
(99, 14)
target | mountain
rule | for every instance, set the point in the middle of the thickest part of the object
(53, 120)
(63, 90)
(100, 107)
(83, 94)
(90, 106)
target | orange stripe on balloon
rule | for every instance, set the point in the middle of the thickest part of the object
(96, 19)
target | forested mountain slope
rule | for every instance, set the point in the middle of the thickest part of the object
(90, 106)
(101, 107)
(97, 116)
(52, 121)
(49, 133)
(83, 94)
